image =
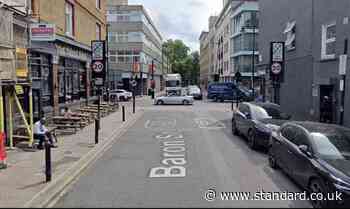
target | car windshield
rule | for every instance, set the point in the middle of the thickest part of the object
(332, 146)
(259, 113)
(194, 91)
(273, 112)
(172, 83)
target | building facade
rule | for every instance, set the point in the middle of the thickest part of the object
(244, 52)
(60, 67)
(222, 42)
(134, 44)
(213, 74)
(204, 59)
(314, 42)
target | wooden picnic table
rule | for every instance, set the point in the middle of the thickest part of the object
(60, 120)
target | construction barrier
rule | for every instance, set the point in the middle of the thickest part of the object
(3, 155)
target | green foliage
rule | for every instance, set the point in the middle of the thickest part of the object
(181, 61)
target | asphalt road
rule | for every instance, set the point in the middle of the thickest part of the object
(133, 173)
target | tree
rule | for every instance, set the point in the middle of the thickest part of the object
(182, 62)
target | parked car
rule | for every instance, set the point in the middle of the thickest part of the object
(195, 91)
(228, 91)
(256, 123)
(316, 156)
(121, 94)
(174, 99)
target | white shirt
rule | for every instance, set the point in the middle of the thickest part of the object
(39, 128)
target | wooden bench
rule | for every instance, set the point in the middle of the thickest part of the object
(59, 120)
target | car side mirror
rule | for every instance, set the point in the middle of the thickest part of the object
(285, 116)
(305, 149)
(247, 115)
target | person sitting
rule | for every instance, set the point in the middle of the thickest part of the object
(41, 133)
(67, 113)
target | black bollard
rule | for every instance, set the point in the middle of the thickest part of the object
(48, 167)
(97, 128)
(123, 114)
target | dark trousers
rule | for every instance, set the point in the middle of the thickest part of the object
(42, 138)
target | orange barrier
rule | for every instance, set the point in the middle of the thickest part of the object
(3, 155)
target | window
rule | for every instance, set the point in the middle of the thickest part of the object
(291, 35)
(98, 31)
(69, 19)
(98, 4)
(328, 41)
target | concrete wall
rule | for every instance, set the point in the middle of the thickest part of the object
(304, 67)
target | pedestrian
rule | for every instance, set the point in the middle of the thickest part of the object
(41, 133)
(67, 113)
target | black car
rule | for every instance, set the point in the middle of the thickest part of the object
(256, 121)
(317, 157)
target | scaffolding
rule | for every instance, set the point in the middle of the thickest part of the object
(14, 75)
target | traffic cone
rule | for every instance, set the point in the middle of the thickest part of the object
(3, 154)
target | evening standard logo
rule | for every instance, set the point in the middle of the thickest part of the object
(261, 195)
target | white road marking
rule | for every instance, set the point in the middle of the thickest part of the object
(209, 123)
(174, 158)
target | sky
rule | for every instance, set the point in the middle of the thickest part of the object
(181, 19)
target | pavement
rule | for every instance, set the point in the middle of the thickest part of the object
(178, 156)
(23, 182)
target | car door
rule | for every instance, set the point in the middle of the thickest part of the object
(240, 117)
(300, 163)
(287, 136)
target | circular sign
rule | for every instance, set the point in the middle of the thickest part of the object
(133, 83)
(276, 68)
(97, 66)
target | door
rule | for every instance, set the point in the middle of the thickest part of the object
(241, 121)
(283, 151)
(299, 162)
(327, 110)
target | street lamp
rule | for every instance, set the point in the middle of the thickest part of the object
(253, 27)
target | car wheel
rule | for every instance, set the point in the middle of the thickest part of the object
(185, 102)
(272, 160)
(222, 100)
(121, 98)
(160, 102)
(317, 186)
(252, 140)
(234, 128)
(215, 98)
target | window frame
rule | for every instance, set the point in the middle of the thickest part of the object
(71, 31)
(98, 4)
(325, 41)
(98, 31)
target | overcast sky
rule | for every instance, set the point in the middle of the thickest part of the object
(181, 19)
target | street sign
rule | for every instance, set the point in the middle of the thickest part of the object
(97, 48)
(133, 83)
(277, 51)
(98, 62)
(42, 32)
(343, 64)
(276, 68)
(97, 66)
(277, 61)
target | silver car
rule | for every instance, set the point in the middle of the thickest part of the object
(174, 99)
